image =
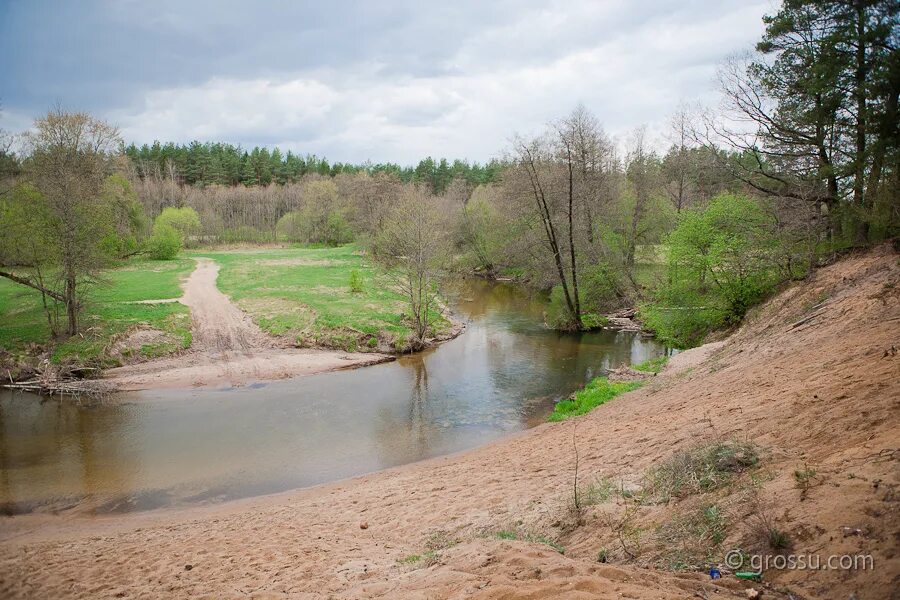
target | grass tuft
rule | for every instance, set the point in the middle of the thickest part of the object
(700, 469)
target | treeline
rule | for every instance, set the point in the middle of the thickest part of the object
(695, 235)
(204, 164)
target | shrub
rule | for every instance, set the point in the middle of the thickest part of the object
(165, 243)
(601, 287)
(184, 220)
(557, 314)
(290, 227)
(594, 321)
(337, 230)
(356, 282)
(700, 469)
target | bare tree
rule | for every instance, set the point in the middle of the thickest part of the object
(413, 245)
(642, 172)
(678, 160)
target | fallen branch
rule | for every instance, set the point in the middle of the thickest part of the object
(806, 320)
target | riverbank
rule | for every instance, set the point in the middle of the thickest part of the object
(809, 382)
(242, 315)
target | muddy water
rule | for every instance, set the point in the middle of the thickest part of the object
(169, 448)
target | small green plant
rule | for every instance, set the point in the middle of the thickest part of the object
(594, 394)
(597, 492)
(547, 542)
(602, 555)
(426, 559)
(506, 534)
(805, 479)
(372, 342)
(356, 281)
(440, 540)
(778, 540)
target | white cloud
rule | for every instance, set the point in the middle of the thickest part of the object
(513, 77)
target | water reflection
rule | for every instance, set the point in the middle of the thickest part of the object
(181, 447)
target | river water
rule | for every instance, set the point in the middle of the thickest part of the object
(180, 447)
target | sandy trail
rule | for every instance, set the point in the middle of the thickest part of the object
(825, 393)
(228, 348)
(218, 325)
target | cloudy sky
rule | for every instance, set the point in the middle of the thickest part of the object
(380, 80)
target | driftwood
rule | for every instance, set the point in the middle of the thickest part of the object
(805, 320)
(76, 388)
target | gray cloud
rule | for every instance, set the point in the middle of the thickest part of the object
(364, 80)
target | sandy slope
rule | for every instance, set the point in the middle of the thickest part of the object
(821, 391)
(228, 348)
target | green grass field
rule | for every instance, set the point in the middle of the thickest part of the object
(304, 294)
(106, 313)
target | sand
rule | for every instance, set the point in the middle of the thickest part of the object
(823, 394)
(228, 348)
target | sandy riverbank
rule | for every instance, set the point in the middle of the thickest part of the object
(818, 392)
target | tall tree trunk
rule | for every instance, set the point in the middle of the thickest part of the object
(576, 314)
(859, 199)
(71, 304)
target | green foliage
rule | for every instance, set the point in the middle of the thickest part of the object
(594, 321)
(721, 261)
(320, 221)
(558, 315)
(531, 538)
(337, 230)
(184, 220)
(355, 281)
(165, 243)
(595, 393)
(778, 540)
(653, 365)
(601, 287)
(110, 310)
(128, 219)
(211, 163)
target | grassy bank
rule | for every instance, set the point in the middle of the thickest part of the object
(109, 312)
(306, 296)
(597, 392)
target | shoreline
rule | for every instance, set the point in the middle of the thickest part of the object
(498, 520)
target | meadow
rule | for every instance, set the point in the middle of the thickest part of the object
(328, 297)
(110, 310)
(304, 296)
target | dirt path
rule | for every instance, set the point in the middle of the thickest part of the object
(228, 348)
(217, 324)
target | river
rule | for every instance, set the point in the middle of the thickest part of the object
(155, 449)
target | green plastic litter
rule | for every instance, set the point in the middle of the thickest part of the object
(749, 575)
